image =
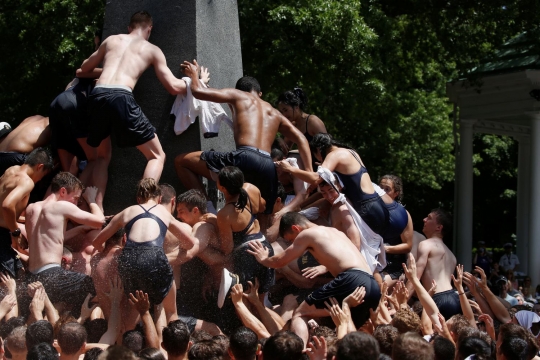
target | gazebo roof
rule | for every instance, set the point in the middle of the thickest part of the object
(519, 53)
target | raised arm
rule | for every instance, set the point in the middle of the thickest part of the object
(423, 255)
(291, 132)
(199, 91)
(171, 83)
(186, 241)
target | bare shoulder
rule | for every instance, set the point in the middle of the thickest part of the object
(204, 227)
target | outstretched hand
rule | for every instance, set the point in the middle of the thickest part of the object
(116, 290)
(8, 283)
(253, 294)
(237, 293)
(190, 69)
(410, 271)
(458, 281)
(314, 271)
(316, 349)
(258, 250)
(356, 297)
(140, 301)
(90, 194)
(205, 75)
(86, 310)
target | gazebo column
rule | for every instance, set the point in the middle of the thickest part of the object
(534, 218)
(523, 202)
(464, 213)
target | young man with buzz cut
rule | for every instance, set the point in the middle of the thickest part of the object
(46, 226)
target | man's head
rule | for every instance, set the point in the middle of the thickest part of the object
(67, 187)
(472, 345)
(117, 352)
(443, 348)
(249, 84)
(16, 341)
(508, 248)
(190, 206)
(41, 161)
(72, 338)
(385, 336)
(438, 223)
(118, 239)
(283, 345)
(168, 197)
(357, 345)
(176, 338)
(39, 332)
(511, 330)
(457, 324)
(206, 350)
(513, 348)
(280, 200)
(411, 346)
(292, 224)
(143, 21)
(67, 259)
(243, 344)
(133, 340)
(406, 320)
(42, 351)
(328, 192)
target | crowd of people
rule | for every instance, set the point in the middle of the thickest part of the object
(297, 264)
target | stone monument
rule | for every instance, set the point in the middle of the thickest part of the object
(206, 30)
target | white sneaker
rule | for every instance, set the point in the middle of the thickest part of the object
(228, 280)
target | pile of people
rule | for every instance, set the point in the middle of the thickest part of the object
(298, 263)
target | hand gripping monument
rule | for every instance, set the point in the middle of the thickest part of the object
(206, 30)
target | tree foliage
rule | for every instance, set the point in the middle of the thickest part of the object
(44, 42)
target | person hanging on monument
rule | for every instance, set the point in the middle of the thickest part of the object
(112, 106)
(255, 125)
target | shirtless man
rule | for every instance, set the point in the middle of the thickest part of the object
(436, 262)
(112, 106)
(45, 227)
(32, 132)
(15, 187)
(341, 258)
(256, 123)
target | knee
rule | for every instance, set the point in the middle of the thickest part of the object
(179, 160)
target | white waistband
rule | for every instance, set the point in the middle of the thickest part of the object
(45, 267)
(110, 86)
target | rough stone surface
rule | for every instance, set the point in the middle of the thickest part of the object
(206, 30)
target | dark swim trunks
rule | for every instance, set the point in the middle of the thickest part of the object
(65, 286)
(9, 259)
(9, 159)
(343, 285)
(257, 166)
(248, 268)
(448, 303)
(114, 111)
(145, 268)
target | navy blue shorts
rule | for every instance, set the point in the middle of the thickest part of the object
(9, 259)
(258, 169)
(343, 285)
(114, 111)
(448, 303)
(248, 268)
(374, 213)
(145, 268)
(9, 159)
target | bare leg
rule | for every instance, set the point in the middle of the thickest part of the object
(100, 171)
(153, 152)
(287, 308)
(300, 318)
(66, 160)
(169, 304)
(189, 167)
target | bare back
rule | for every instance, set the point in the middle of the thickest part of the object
(333, 249)
(15, 179)
(126, 57)
(32, 132)
(440, 264)
(256, 122)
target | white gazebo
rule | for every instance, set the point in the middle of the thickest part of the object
(507, 102)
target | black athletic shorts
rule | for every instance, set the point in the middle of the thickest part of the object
(190, 321)
(9, 259)
(448, 303)
(65, 286)
(9, 159)
(342, 286)
(257, 166)
(394, 266)
(114, 111)
(248, 268)
(145, 268)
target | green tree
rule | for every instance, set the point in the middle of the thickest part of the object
(44, 43)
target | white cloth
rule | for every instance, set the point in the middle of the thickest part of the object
(311, 213)
(378, 190)
(527, 318)
(372, 244)
(294, 163)
(508, 262)
(187, 108)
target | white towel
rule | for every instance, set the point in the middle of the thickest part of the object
(372, 244)
(187, 108)
(294, 163)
